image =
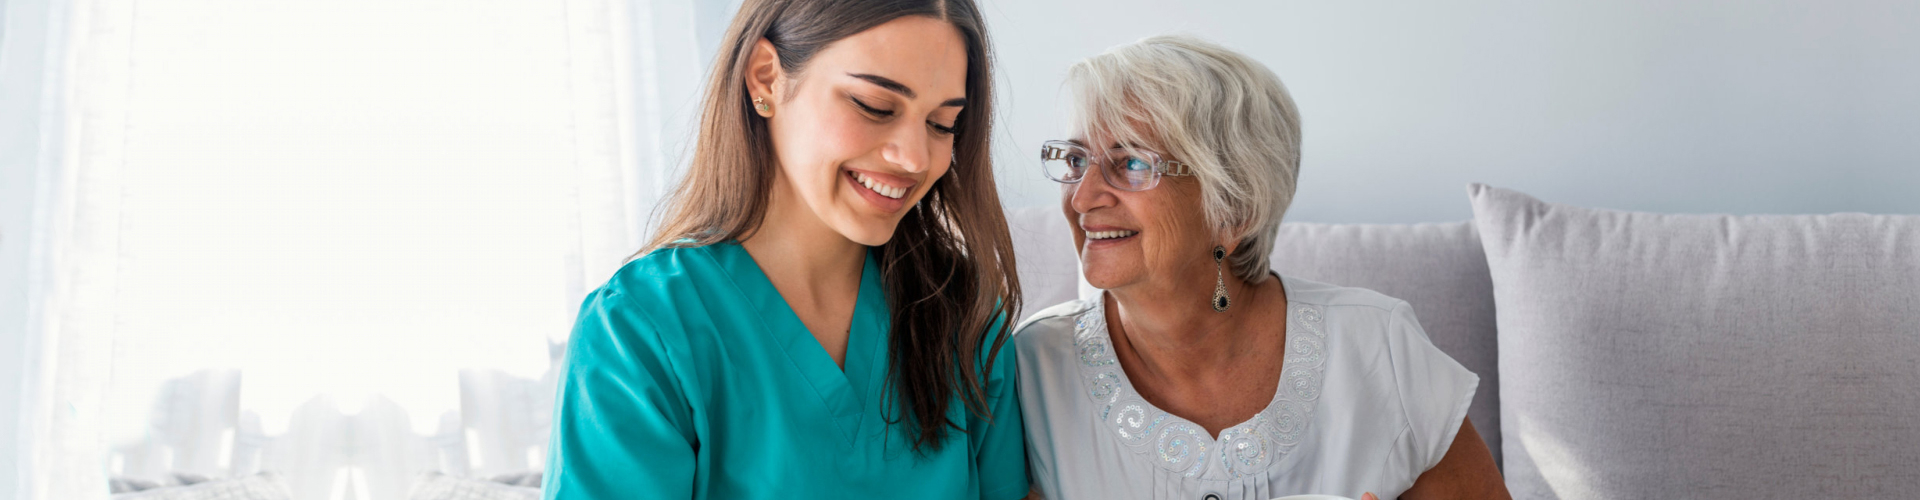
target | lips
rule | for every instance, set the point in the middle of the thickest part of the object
(886, 193)
(879, 186)
(1109, 235)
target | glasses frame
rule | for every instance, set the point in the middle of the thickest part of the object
(1056, 150)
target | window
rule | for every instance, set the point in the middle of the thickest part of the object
(317, 237)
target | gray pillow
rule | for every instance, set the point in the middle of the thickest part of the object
(1704, 356)
(1043, 251)
(1439, 269)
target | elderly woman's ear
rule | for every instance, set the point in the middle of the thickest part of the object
(1225, 238)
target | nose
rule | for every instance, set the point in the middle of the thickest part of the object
(910, 147)
(1092, 192)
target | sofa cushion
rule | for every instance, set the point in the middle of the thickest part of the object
(1043, 252)
(1704, 356)
(1437, 268)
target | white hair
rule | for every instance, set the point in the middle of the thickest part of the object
(1222, 113)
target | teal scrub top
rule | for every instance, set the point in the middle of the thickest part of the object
(689, 377)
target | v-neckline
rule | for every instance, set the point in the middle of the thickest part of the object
(844, 391)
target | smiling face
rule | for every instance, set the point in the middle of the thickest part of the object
(864, 131)
(1159, 237)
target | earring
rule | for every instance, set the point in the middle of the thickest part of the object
(1220, 299)
(760, 104)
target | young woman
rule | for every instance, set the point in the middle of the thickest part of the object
(822, 314)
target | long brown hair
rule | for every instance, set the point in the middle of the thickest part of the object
(949, 268)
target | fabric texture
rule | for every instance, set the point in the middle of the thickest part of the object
(262, 486)
(1704, 356)
(1439, 269)
(437, 486)
(1365, 403)
(689, 377)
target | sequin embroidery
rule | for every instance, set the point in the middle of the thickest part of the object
(1182, 447)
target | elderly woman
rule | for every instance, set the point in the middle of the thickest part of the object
(1199, 373)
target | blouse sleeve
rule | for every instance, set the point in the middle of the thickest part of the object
(1434, 391)
(621, 424)
(1000, 444)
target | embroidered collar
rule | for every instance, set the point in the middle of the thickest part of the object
(1182, 447)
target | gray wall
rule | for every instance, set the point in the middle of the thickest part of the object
(1747, 106)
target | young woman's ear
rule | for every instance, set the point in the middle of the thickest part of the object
(763, 77)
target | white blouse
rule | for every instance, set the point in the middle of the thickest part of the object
(1365, 404)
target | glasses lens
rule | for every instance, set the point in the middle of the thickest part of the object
(1132, 170)
(1064, 163)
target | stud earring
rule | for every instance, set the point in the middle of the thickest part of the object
(1220, 299)
(760, 104)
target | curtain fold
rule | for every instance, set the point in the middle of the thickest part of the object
(72, 270)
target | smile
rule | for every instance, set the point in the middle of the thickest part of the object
(895, 192)
(1109, 235)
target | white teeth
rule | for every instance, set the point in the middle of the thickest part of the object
(1107, 235)
(878, 187)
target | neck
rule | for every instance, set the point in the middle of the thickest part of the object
(793, 246)
(1172, 332)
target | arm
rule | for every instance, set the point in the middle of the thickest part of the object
(1001, 444)
(1435, 391)
(1466, 472)
(621, 425)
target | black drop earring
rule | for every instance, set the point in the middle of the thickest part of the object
(1220, 299)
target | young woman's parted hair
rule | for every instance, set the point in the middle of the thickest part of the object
(949, 268)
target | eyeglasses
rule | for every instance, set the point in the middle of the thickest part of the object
(1125, 169)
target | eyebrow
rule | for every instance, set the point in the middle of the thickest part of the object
(898, 88)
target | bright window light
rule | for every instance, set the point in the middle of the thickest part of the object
(344, 198)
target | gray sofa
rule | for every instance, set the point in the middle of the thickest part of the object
(1634, 355)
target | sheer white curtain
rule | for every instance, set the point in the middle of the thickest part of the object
(290, 235)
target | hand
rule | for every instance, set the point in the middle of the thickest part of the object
(1369, 496)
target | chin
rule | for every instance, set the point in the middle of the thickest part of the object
(1103, 276)
(869, 233)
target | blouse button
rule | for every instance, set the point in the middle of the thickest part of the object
(1211, 496)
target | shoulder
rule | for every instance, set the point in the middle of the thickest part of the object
(673, 284)
(1357, 324)
(1348, 299)
(1427, 392)
(1350, 312)
(646, 303)
(661, 273)
(1049, 333)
